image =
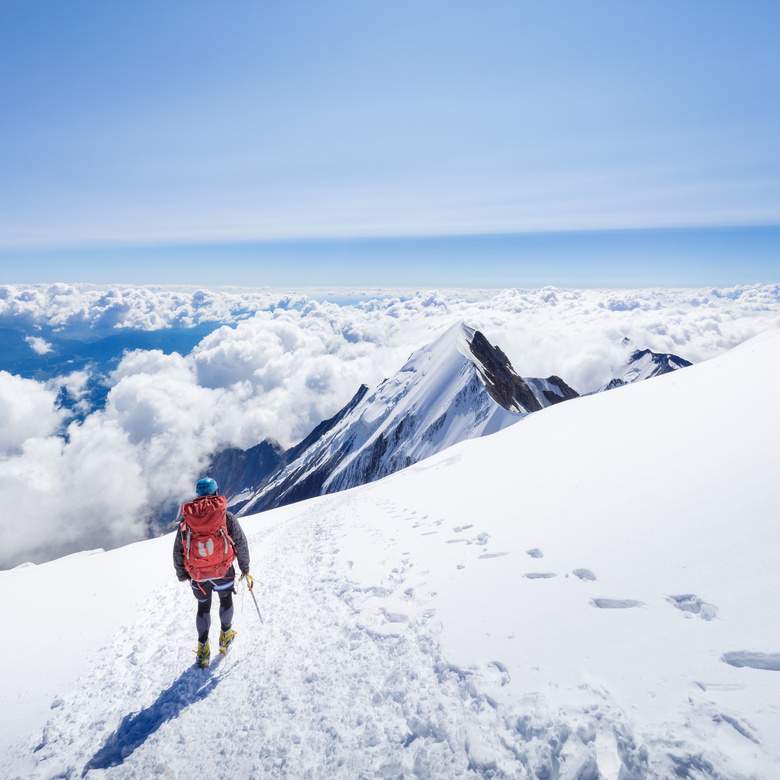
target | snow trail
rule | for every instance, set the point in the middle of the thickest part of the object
(334, 684)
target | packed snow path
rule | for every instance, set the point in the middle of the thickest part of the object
(333, 684)
(344, 679)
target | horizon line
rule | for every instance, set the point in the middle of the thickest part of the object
(325, 238)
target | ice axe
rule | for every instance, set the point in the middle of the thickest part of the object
(250, 585)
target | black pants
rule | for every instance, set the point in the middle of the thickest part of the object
(203, 591)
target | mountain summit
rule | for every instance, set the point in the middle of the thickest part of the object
(458, 387)
(645, 364)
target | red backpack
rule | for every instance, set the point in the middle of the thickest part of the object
(208, 548)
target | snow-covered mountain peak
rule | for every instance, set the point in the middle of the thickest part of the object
(457, 387)
(445, 357)
(442, 353)
(644, 364)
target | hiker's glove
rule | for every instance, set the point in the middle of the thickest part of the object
(250, 583)
(185, 578)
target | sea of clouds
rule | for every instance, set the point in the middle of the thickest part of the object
(274, 365)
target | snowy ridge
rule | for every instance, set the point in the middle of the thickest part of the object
(459, 387)
(477, 615)
(645, 364)
(551, 390)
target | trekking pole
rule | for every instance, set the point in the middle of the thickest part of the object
(257, 608)
(250, 587)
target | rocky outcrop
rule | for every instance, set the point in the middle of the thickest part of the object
(503, 385)
(237, 471)
(645, 364)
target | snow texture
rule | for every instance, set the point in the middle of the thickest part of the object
(389, 650)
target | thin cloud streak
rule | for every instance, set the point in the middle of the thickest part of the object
(689, 257)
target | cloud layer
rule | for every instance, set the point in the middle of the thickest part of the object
(279, 365)
(76, 309)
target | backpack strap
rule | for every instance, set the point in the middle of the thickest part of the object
(185, 540)
(227, 539)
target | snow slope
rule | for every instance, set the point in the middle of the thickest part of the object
(590, 593)
(456, 388)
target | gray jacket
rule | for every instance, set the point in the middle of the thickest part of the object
(235, 532)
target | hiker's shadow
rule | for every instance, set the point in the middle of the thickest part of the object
(192, 686)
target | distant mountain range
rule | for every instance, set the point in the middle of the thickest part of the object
(98, 354)
(458, 387)
(644, 364)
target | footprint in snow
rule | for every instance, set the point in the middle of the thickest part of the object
(535, 553)
(742, 658)
(691, 605)
(377, 591)
(493, 555)
(499, 672)
(586, 575)
(616, 603)
(737, 725)
(539, 575)
(395, 617)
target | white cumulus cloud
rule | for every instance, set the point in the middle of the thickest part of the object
(38, 345)
(62, 495)
(29, 411)
(280, 364)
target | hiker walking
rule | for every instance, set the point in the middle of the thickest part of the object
(208, 541)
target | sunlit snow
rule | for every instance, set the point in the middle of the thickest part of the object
(590, 593)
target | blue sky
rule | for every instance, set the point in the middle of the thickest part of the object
(455, 143)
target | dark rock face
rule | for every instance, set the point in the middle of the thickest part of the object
(566, 393)
(503, 385)
(664, 363)
(236, 470)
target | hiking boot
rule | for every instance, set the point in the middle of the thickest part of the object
(225, 638)
(204, 653)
